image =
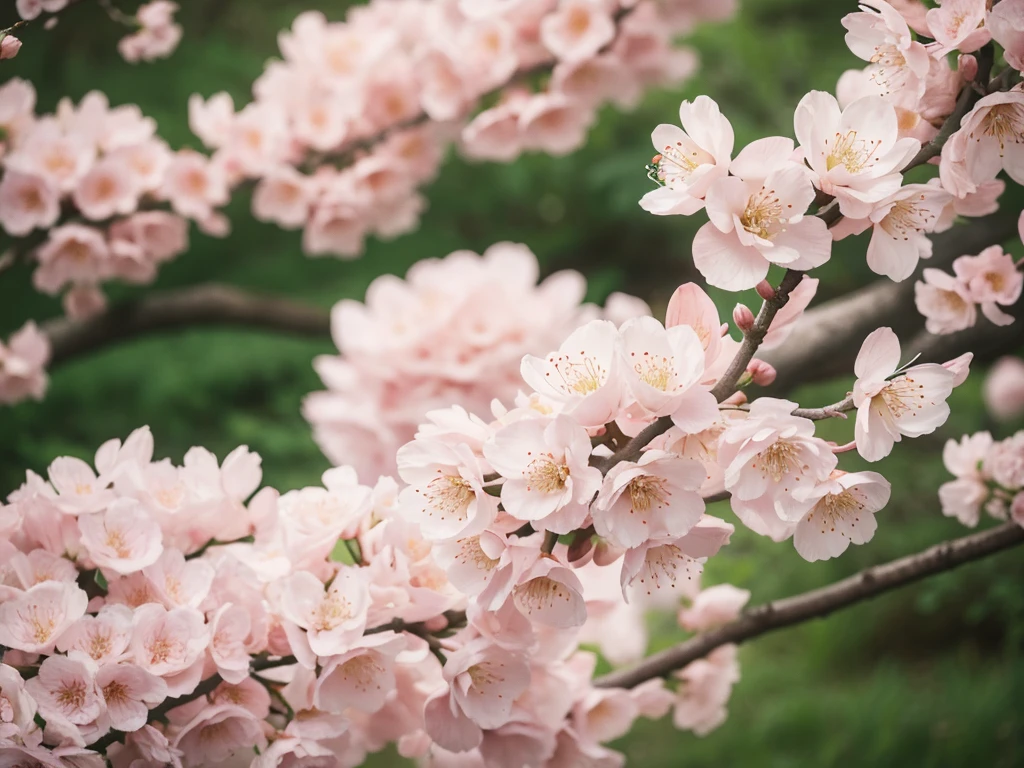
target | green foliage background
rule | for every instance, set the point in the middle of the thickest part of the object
(930, 676)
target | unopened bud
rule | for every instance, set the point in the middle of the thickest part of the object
(765, 291)
(580, 548)
(606, 554)
(436, 624)
(967, 67)
(743, 317)
(761, 373)
(9, 47)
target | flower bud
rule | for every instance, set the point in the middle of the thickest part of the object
(743, 317)
(967, 67)
(764, 290)
(761, 373)
(9, 47)
(606, 554)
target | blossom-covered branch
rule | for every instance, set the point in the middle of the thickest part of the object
(819, 603)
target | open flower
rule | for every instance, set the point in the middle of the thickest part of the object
(991, 279)
(945, 302)
(663, 368)
(901, 224)
(483, 681)
(35, 619)
(690, 158)
(855, 153)
(989, 140)
(673, 562)
(844, 514)
(657, 497)
(123, 539)
(897, 64)
(66, 688)
(585, 373)
(757, 219)
(545, 463)
(129, 692)
(889, 406)
(962, 498)
(772, 463)
(333, 618)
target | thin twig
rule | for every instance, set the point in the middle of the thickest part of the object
(821, 602)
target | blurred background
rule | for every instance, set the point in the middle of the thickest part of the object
(930, 676)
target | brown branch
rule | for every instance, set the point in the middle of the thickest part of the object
(836, 410)
(177, 310)
(821, 602)
(729, 380)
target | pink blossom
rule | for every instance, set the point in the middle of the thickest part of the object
(27, 202)
(229, 628)
(585, 373)
(988, 141)
(898, 64)
(663, 368)
(75, 254)
(158, 35)
(23, 365)
(494, 133)
(674, 562)
(194, 185)
(129, 692)
(991, 279)
(757, 219)
(30, 9)
(66, 688)
(911, 404)
(106, 190)
(362, 678)
(553, 124)
(1003, 390)
(855, 153)
(704, 691)
(333, 619)
(61, 158)
(690, 159)
(445, 497)
(596, 80)
(656, 497)
(483, 681)
(958, 25)
(9, 46)
(219, 732)
(35, 619)
(901, 223)
(547, 476)
(772, 463)
(945, 302)
(147, 239)
(334, 230)
(962, 498)
(123, 539)
(170, 644)
(211, 119)
(713, 607)
(1006, 24)
(103, 637)
(578, 29)
(844, 514)
(282, 197)
(550, 594)
(17, 707)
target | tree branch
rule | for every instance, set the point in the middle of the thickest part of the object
(821, 602)
(201, 305)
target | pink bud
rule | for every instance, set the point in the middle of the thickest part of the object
(743, 317)
(764, 290)
(606, 554)
(761, 373)
(436, 624)
(9, 47)
(967, 66)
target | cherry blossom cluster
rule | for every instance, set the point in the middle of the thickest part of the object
(154, 614)
(452, 333)
(23, 362)
(851, 152)
(80, 186)
(989, 475)
(950, 302)
(155, 34)
(383, 93)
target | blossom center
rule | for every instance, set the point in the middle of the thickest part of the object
(851, 152)
(648, 491)
(762, 215)
(450, 495)
(546, 475)
(1005, 124)
(904, 218)
(332, 611)
(71, 695)
(579, 377)
(778, 459)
